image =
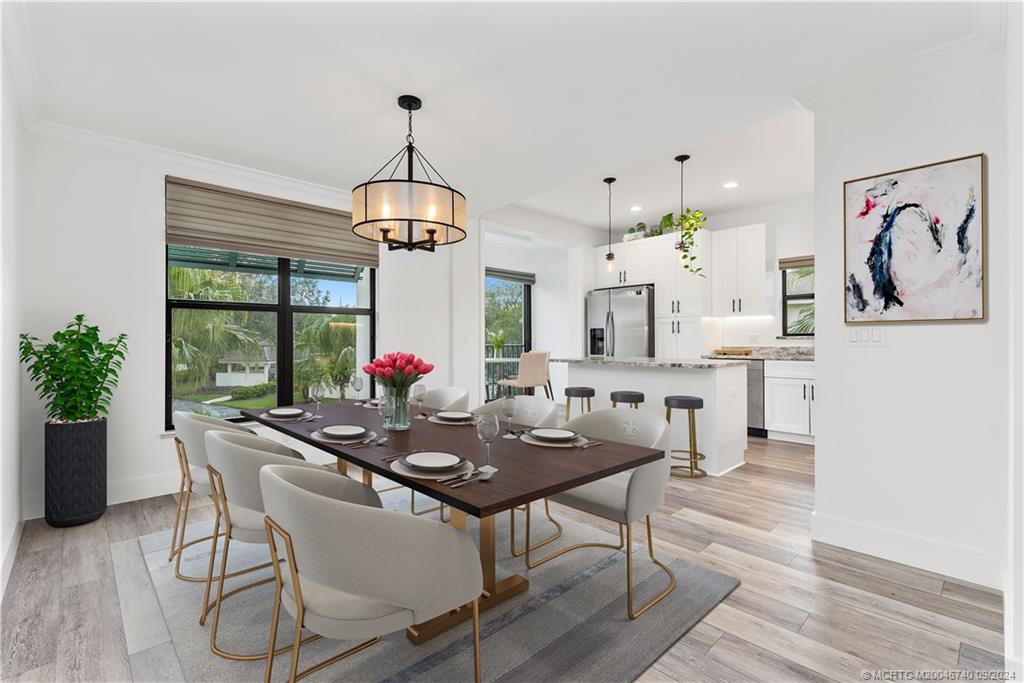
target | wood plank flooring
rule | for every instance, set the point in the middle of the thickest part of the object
(79, 605)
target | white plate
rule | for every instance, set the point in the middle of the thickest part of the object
(450, 423)
(295, 418)
(550, 434)
(285, 412)
(343, 431)
(334, 441)
(399, 468)
(526, 438)
(454, 416)
(432, 461)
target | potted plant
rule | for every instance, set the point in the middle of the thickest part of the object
(498, 342)
(688, 224)
(75, 375)
(395, 373)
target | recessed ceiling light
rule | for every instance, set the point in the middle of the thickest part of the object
(636, 208)
(730, 184)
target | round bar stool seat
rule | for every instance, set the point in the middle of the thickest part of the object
(632, 398)
(686, 467)
(584, 394)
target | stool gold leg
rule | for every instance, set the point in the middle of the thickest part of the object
(615, 404)
(568, 404)
(590, 406)
(690, 467)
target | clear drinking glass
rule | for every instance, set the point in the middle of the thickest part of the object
(418, 392)
(508, 409)
(316, 392)
(487, 430)
(386, 408)
(357, 384)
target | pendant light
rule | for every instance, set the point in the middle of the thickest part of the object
(409, 213)
(680, 245)
(610, 256)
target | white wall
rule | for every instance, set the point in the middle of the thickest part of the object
(91, 241)
(792, 225)
(912, 438)
(10, 326)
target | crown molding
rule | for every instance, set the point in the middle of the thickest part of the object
(987, 39)
(19, 65)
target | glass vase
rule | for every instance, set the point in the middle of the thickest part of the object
(397, 400)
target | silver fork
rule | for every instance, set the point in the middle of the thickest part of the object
(455, 478)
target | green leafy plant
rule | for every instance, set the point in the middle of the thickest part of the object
(497, 340)
(75, 373)
(805, 323)
(253, 391)
(688, 224)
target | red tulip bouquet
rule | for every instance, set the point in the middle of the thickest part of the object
(395, 373)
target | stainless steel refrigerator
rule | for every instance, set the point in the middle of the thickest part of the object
(620, 322)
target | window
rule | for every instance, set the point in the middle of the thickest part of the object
(798, 300)
(507, 323)
(247, 331)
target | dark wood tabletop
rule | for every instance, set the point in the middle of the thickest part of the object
(525, 472)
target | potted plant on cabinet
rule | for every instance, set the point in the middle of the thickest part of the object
(75, 375)
(688, 224)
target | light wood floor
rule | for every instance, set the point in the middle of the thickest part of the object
(77, 601)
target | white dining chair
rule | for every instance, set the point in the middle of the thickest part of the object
(189, 442)
(532, 372)
(623, 498)
(234, 467)
(446, 398)
(390, 572)
(531, 411)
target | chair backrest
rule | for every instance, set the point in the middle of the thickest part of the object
(639, 428)
(238, 457)
(448, 398)
(343, 540)
(191, 429)
(533, 368)
(532, 411)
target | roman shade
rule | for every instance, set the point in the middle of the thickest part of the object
(796, 262)
(203, 215)
(513, 275)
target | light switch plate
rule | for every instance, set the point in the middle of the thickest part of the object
(865, 336)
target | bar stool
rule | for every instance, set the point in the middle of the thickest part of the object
(689, 469)
(584, 394)
(632, 398)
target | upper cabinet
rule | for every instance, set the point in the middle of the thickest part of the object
(679, 292)
(742, 275)
(633, 264)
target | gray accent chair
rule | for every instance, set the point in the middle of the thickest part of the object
(623, 498)
(189, 441)
(362, 588)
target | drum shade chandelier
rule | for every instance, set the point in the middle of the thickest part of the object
(408, 213)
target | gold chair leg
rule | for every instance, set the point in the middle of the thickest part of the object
(558, 553)
(177, 519)
(476, 640)
(512, 530)
(634, 613)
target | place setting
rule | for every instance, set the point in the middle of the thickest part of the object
(551, 437)
(344, 435)
(287, 414)
(452, 417)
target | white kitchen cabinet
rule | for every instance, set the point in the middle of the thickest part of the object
(741, 280)
(787, 405)
(679, 292)
(665, 337)
(633, 264)
(681, 338)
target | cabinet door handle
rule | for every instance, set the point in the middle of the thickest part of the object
(812, 392)
(805, 392)
(741, 305)
(734, 305)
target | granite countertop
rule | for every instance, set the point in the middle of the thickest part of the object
(682, 363)
(775, 353)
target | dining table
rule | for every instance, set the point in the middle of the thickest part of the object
(525, 473)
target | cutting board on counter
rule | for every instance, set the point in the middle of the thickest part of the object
(733, 351)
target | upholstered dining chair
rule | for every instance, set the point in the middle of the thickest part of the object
(533, 372)
(391, 571)
(189, 441)
(234, 466)
(531, 411)
(447, 398)
(622, 498)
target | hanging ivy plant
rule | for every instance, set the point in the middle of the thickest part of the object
(688, 225)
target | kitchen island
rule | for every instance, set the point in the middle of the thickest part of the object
(721, 423)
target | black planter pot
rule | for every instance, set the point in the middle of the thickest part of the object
(76, 472)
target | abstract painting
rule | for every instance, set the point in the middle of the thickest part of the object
(915, 244)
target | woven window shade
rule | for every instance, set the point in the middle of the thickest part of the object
(203, 215)
(796, 262)
(513, 275)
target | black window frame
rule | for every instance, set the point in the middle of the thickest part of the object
(284, 310)
(786, 298)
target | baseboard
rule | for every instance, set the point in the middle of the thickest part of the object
(122, 491)
(791, 438)
(725, 471)
(758, 432)
(8, 560)
(966, 564)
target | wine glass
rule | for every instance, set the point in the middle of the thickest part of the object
(316, 392)
(357, 384)
(418, 393)
(508, 409)
(386, 408)
(487, 430)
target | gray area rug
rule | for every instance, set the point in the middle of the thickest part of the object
(570, 626)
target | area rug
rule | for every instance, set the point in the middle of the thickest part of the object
(571, 625)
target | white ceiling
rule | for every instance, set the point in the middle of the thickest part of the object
(530, 103)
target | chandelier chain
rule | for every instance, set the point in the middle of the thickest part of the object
(409, 138)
